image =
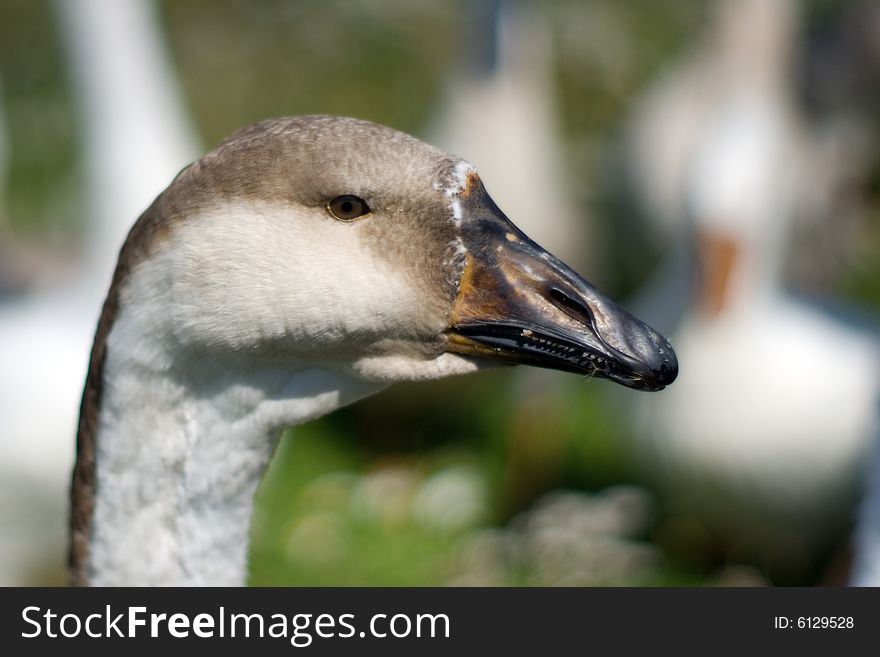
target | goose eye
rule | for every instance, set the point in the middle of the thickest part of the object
(348, 207)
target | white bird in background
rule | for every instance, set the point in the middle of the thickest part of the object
(766, 429)
(136, 136)
(500, 113)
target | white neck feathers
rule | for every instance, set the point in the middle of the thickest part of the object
(183, 436)
(177, 468)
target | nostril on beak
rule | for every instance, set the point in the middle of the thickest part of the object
(571, 307)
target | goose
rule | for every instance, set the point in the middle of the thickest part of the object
(504, 86)
(757, 437)
(303, 264)
(130, 111)
(129, 103)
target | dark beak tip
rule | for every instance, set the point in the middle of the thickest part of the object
(658, 365)
(648, 360)
(668, 364)
(655, 381)
(665, 377)
(667, 370)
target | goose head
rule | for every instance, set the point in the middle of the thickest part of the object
(300, 266)
(339, 241)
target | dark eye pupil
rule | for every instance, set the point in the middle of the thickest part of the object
(348, 207)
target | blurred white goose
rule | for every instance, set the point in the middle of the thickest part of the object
(773, 413)
(303, 264)
(136, 136)
(500, 113)
(132, 110)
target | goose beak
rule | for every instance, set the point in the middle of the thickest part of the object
(520, 305)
